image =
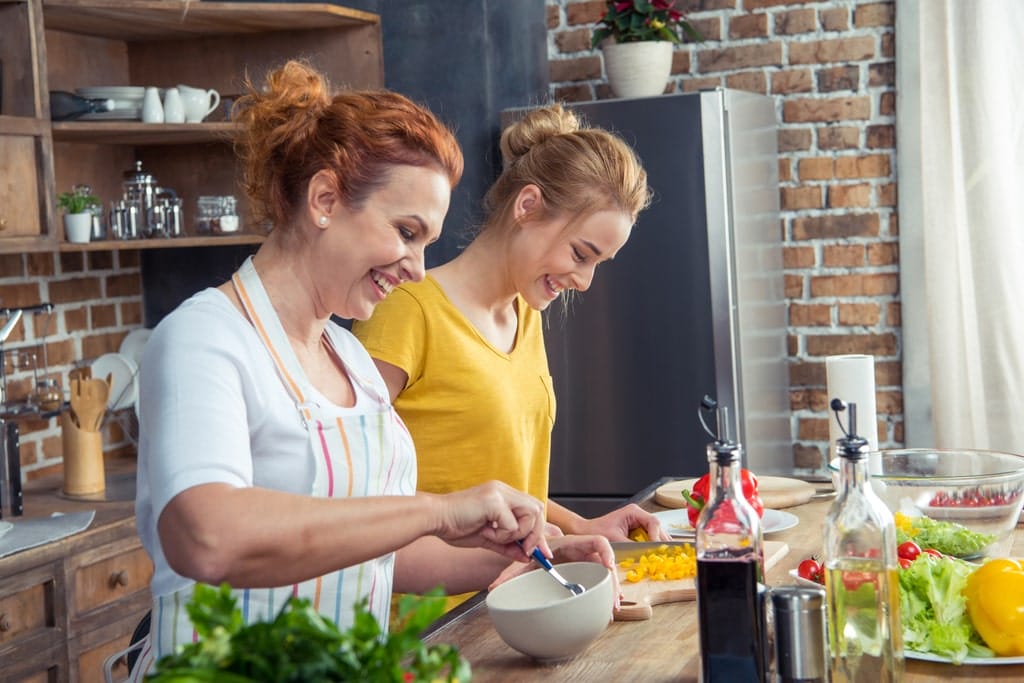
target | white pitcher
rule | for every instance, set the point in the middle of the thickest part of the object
(174, 109)
(198, 103)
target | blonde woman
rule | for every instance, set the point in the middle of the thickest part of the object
(462, 352)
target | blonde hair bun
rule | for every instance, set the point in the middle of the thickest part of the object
(534, 128)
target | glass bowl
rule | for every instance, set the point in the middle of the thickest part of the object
(981, 490)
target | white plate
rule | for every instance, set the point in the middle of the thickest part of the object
(133, 343)
(5, 527)
(990, 661)
(677, 522)
(955, 512)
(804, 582)
(124, 385)
(113, 115)
(113, 92)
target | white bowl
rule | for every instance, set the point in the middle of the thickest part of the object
(536, 616)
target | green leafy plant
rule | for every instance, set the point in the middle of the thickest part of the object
(301, 645)
(634, 21)
(77, 201)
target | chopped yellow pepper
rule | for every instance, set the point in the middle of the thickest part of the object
(663, 564)
(995, 604)
(639, 534)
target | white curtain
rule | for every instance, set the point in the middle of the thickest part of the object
(960, 156)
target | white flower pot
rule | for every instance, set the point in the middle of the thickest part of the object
(78, 227)
(638, 69)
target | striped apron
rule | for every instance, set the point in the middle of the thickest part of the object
(367, 453)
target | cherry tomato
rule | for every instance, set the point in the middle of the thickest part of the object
(810, 569)
(933, 552)
(908, 550)
(905, 562)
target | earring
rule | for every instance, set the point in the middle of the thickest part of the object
(323, 220)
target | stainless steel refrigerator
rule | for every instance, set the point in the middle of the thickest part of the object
(692, 305)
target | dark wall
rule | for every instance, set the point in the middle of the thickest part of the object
(466, 60)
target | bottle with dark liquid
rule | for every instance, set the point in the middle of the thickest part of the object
(66, 106)
(865, 636)
(730, 571)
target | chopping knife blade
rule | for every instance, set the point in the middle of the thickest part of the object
(633, 550)
(13, 450)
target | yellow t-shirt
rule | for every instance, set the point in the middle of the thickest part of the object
(475, 413)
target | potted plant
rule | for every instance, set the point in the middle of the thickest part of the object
(77, 206)
(637, 39)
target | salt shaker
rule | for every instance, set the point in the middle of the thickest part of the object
(800, 640)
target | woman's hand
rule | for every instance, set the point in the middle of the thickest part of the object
(572, 548)
(617, 524)
(495, 516)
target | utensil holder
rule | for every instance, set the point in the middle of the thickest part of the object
(83, 459)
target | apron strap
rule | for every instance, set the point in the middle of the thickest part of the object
(268, 326)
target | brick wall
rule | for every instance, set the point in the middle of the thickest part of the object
(830, 68)
(97, 301)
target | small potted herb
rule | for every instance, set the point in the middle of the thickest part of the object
(77, 206)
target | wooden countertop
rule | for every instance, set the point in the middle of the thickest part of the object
(114, 518)
(666, 647)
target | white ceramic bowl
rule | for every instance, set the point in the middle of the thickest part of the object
(536, 616)
(981, 490)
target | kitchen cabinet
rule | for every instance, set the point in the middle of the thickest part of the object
(68, 44)
(68, 605)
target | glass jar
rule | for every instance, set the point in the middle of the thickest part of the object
(47, 395)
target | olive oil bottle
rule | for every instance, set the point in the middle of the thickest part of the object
(865, 638)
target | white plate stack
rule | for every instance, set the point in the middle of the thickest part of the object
(127, 102)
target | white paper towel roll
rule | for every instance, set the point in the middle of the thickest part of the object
(851, 378)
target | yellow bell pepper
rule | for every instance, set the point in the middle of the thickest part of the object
(995, 604)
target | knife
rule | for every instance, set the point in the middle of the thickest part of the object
(12, 448)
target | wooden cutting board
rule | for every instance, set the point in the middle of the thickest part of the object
(639, 598)
(776, 492)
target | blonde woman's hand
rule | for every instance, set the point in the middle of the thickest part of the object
(495, 516)
(616, 525)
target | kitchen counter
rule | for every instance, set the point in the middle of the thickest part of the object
(665, 647)
(67, 605)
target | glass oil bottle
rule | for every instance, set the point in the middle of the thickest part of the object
(730, 570)
(865, 638)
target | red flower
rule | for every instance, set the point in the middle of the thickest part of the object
(620, 6)
(662, 4)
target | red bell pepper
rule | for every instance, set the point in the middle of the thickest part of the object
(696, 498)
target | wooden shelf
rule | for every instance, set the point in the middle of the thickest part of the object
(137, 133)
(165, 243)
(23, 125)
(134, 20)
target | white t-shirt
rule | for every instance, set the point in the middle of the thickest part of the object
(212, 409)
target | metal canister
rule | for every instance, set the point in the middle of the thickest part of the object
(800, 639)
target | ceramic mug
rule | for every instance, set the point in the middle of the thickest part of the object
(198, 103)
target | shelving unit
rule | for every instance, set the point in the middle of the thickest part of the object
(69, 44)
